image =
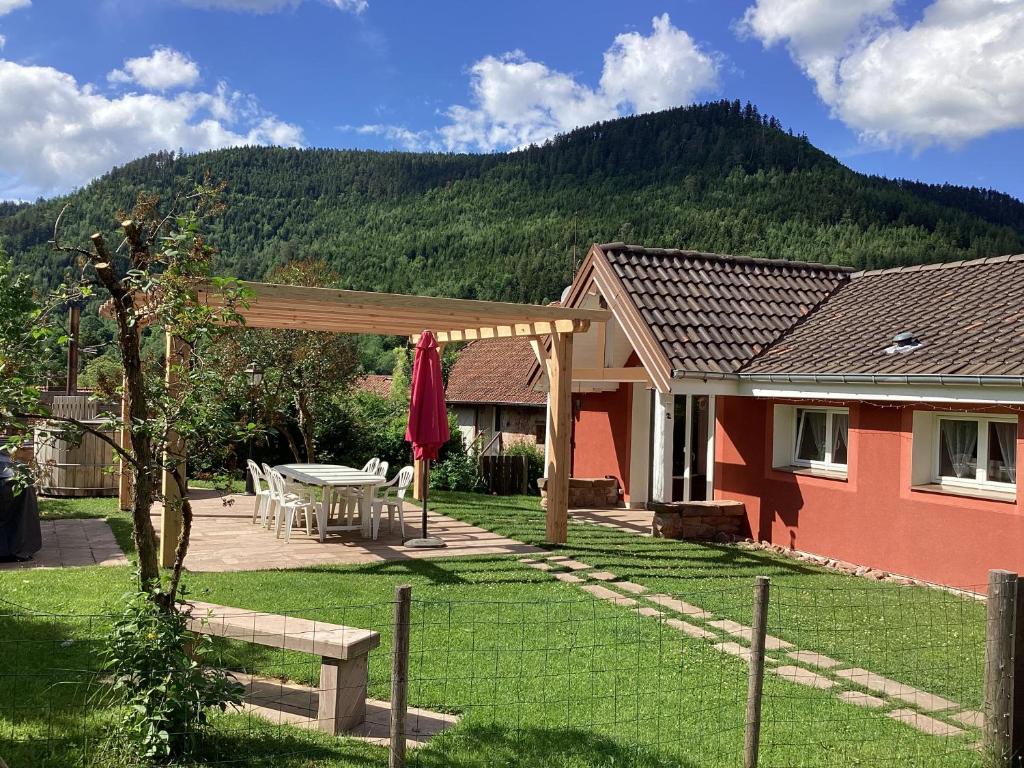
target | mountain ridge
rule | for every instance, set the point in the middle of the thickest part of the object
(717, 177)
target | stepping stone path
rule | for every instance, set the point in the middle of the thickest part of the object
(901, 691)
(831, 674)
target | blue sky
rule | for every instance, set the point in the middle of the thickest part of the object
(924, 89)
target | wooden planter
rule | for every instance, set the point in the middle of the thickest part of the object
(75, 470)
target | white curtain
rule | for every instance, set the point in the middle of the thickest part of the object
(1006, 434)
(817, 424)
(961, 439)
(840, 436)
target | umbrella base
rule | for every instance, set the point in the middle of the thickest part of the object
(431, 542)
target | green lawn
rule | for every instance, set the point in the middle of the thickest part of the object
(540, 673)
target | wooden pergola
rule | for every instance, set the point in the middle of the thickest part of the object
(549, 328)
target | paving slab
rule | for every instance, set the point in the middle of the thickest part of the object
(679, 606)
(644, 610)
(970, 717)
(602, 575)
(804, 676)
(606, 594)
(568, 562)
(814, 659)
(771, 643)
(923, 723)
(541, 566)
(569, 578)
(691, 629)
(733, 649)
(861, 699)
(629, 586)
(71, 543)
(897, 690)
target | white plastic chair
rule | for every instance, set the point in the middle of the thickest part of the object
(349, 497)
(262, 501)
(289, 508)
(392, 496)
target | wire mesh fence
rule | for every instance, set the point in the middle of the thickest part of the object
(878, 674)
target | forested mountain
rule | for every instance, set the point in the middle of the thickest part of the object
(718, 177)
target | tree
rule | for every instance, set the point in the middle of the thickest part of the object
(151, 283)
(303, 370)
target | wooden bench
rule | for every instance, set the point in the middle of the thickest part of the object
(344, 653)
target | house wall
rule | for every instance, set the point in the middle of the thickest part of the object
(873, 517)
(517, 423)
(601, 434)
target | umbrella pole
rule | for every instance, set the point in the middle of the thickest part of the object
(425, 541)
(426, 492)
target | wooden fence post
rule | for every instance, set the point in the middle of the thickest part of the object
(755, 681)
(1000, 631)
(400, 675)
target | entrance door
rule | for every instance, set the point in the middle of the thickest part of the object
(691, 447)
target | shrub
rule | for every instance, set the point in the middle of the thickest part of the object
(159, 679)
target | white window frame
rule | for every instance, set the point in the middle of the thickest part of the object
(980, 479)
(828, 464)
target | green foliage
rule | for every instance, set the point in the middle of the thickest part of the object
(363, 425)
(160, 681)
(457, 469)
(534, 461)
(718, 177)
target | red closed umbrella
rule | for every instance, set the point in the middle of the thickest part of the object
(428, 416)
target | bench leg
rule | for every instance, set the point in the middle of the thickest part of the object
(342, 694)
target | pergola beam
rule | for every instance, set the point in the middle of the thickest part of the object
(549, 328)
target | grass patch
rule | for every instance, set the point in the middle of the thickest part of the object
(540, 674)
(921, 636)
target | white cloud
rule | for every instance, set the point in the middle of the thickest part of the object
(59, 134)
(517, 101)
(272, 6)
(6, 6)
(165, 68)
(952, 76)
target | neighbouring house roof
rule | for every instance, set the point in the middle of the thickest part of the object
(967, 316)
(713, 314)
(376, 383)
(494, 371)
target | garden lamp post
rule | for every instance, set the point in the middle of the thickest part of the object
(255, 376)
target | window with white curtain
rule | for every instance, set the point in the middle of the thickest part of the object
(976, 450)
(821, 437)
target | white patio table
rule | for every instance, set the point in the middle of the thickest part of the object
(331, 477)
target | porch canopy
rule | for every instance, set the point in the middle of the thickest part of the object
(550, 329)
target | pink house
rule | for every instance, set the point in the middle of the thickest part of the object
(871, 417)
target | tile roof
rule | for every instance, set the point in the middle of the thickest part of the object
(376, 383)
(968, 316)
(711, 313)
(494, 371)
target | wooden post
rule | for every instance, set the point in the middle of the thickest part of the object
(559, 369)
(74, 323)
(170, 518)
(755, 681)
(419, 478)
(124, 486)
(400, 675)
(1001, 619)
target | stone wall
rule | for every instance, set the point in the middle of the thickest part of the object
(586, 493)
(722, 520)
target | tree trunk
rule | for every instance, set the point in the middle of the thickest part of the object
(306, 425)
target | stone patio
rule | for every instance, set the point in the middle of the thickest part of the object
(224, 539)
(74, 542)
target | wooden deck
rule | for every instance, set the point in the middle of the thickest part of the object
(224, 539)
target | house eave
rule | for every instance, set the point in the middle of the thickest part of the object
(886, 379)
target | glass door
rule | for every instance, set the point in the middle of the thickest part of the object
(691, 425)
